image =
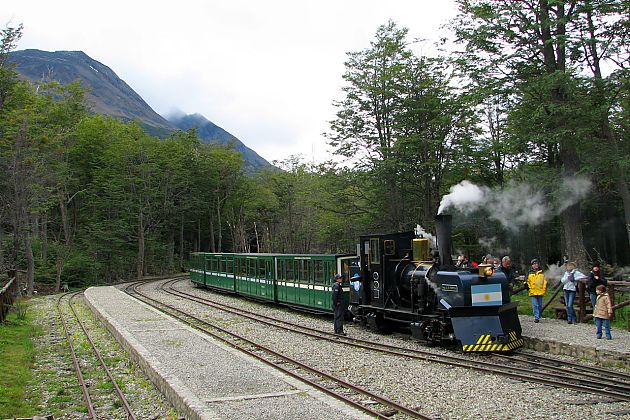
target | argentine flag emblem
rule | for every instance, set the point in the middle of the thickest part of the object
(486, 295)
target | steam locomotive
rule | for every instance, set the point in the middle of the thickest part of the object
(403, 283)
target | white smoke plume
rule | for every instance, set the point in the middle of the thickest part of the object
(487, 243)
(554, 273)
(465, 196)
(621, 272)
(492, 245)
(516, 205)
(419, 230)
(572, 191)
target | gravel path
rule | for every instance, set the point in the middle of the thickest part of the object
(433, 389)
(582, 334)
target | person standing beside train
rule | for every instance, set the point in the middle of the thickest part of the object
(537, 285)
(338, 305)
(570, 279)
(595, 278)
(507, 269)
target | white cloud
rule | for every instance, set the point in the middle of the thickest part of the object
(267, 72)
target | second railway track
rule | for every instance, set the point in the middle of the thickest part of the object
(525, 367)
(85, 358)
(352, 394)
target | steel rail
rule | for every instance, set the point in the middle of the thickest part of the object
(384, 401)
(119, 392)
(584, 370)
(75, 361)
(597, 387)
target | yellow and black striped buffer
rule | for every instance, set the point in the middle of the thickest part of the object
(484, 343)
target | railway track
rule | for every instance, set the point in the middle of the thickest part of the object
(519, 366)
(356, 396)
(83, 361)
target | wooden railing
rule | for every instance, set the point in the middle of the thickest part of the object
(8, 294)
(612, 288)
(615, 288)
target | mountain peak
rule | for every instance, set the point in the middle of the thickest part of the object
(109, 95)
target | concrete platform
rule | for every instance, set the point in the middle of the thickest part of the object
(201, 377)
(578, 340)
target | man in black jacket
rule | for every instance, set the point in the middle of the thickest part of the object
(508, 270)
(337, 304)
(595, 278)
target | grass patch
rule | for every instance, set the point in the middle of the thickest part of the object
(16, 348)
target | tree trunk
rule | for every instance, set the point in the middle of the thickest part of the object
(63, 209)
(170, 258)
(572, 216)
(212, 239)
(140, 266)
(181, 243)
(572, 235)
(1, 249)
(219, 234)
(622, 185)
(44, 237)
(620, 174)
(257, 241)
(30, 261)
(58, 270)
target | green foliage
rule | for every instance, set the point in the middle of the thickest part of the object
(17, 358)
(97, 200)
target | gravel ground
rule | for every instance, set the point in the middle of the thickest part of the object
(583, 334)
(435, 390)
(56, 382)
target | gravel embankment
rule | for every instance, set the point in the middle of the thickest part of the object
(435, 390)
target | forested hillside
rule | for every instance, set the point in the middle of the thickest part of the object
(523, 134)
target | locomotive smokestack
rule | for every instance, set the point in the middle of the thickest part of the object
(444, 229)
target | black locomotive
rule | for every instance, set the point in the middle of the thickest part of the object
(402, 282)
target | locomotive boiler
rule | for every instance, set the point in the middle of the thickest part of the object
(404, 282)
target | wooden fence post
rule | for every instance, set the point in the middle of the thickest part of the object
(611, 294)
(582, 306)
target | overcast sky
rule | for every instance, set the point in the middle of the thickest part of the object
(266, 71)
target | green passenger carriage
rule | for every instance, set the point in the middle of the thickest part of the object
(295, 280)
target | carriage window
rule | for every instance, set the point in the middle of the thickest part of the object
(318, 272)
(375, 251)
(330, 272)
(251, 272)
(309, 271)
(268, 270)
(289, 270)
(304, 267)
(261, 269)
